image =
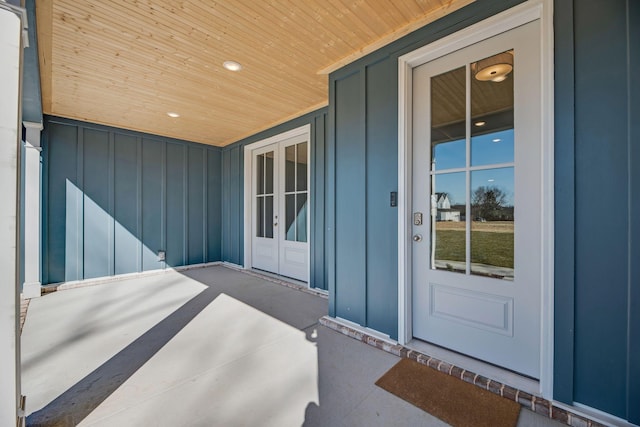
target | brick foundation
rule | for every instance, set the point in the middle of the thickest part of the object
(534, 403)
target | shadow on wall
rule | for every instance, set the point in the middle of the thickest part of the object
(113, 201)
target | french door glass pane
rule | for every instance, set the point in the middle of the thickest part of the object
(290, 168)
(260, 174)
(260, 216)
(493, 225)
(301, 172)
(448, 118)
(290, 217)
(268, 179)
(268, 217)
(448, 207)
(301, 217)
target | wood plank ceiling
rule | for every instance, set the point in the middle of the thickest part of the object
(127, 63)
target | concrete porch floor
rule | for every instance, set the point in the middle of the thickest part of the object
(203, 347)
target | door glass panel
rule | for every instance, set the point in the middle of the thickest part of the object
(448, 118)
(492, 228)
(296, 192)
(492, 110)
(301, 217)
(301, 167)
(268, 217)
(260, 216)
(492, 148)
(448, 230)
(268, 179)
(290, 168)
(290, 217)
(264, 192)
(260, 174)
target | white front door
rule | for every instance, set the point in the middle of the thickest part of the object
(477, 197)
(280, 200)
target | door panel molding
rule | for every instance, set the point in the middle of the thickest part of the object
(527, 12)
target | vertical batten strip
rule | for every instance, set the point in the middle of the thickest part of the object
(139, 225)
(163, 203)
(185, 205)
(564, 201)
(364, 75)
(331, 197)
(79, 211)
(111, 233)
(633, 65)
(205, 205)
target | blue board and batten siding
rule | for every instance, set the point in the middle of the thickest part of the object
(233, 194)
(597, 202)
(114, 198)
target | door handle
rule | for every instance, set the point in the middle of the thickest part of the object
(417, 238)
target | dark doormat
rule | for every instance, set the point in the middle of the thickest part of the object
(452, 400)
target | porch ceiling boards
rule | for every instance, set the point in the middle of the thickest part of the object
(127, 63)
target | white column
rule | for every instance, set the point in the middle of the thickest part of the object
(32, 220)
(10, 70)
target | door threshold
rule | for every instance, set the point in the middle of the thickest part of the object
(286, 281)
(496, 373)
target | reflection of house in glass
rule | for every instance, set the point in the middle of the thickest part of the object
(445, 212)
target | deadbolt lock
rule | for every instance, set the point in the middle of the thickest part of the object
(417, 218)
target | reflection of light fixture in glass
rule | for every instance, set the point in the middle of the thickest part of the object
(495, 68)
(480, 123)
(497, 140)
(491, 180)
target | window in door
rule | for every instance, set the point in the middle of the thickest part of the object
(264, 195)
(296, 192)
(472, 169)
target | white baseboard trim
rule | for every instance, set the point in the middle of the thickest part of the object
(118, 277)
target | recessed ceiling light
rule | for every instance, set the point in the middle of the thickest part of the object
(491, 180)
(232, 65)
(497, 140)
(480, 123)
(172, 114)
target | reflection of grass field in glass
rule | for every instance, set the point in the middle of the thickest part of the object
(491, 242)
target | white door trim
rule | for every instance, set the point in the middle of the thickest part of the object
(248, 199)
(502, 22)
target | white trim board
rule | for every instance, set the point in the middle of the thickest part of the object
(248, 149)
(519, 15)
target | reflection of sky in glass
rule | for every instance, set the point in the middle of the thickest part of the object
(448, 155)
(495, 147)
(492, 148)
(501, 178)
(453, 184)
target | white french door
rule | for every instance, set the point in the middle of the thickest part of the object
(280, 201)
(477, 193)
(265, 213)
